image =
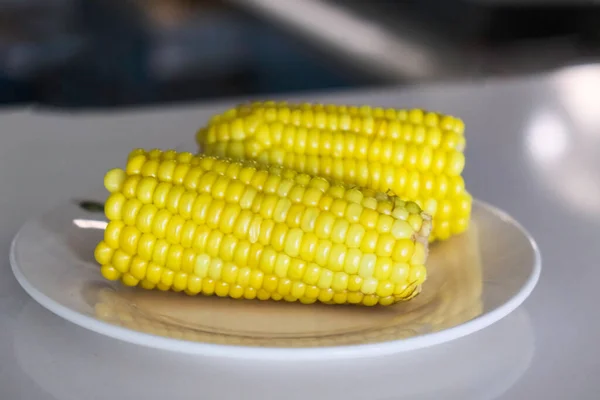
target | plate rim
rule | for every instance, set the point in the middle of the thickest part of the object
(289, 353)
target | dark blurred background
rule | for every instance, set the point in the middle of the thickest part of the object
(111, 53)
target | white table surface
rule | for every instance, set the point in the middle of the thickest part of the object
(533, 150)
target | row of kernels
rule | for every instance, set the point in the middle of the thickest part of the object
(328, 141)
(223, 279)
(320, 114)
(129, 241)
(257, 225)
(350, 146)
(383, 177)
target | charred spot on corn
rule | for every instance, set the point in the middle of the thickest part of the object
(216, 226)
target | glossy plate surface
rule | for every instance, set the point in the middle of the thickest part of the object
(474, 280)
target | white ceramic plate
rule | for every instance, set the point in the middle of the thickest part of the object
(474, 280)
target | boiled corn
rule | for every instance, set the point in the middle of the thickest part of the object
(416, 154)
(206, 225)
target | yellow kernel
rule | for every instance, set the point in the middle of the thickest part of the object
(194, 284)
(110, 273)
(385, 207)
(200, 238)
(254, 254)
(161, 249)
(444, 211)
(324, 225)
(281, 209)
(149, 168)
(256, 279)
(296, 194)
(120, 261)
(267, 260)
(130, 186)
(337, 257)
(415, 221)
(174, 228)
(386, 301)
(308, 246)
(279, 236)
(103, 253)
(338, 207)
(399, 273)
(418, 274)
(215, 269)
(188, 260)
(296, 269)
(229, 273)
(312, 273)
(403, 250)
(282, 264)
(369, 218)
(213, 214)
(355, 297)
(455, 163)
(355, 235)
(270, 283)
(309, 219)
(137, 268)
(459, 225)
(385, 289)
(293, 242)
(221, 289)
(165, 170)
(284, 287)
(187, 233)
(167, 277)
(153, 273)
(146, 284)
(325, 279)
(312, 196)
(419, 254)
(227, 248)
(322, 252)
(114, 205)
(339, 231)
(325, 203)
(369, 242)
(369, 286)
(384, 223)
(354, 283)
(340, 281)
(160, 223)
(352, 261)
(145, 189)
(135, 163)
(114, 180)
(128, 239)
(298, 289)
(202, 265)
(385, 245)
(294, 216)
(383, 268)
(366, 268)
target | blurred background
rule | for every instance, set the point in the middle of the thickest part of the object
(115, 53)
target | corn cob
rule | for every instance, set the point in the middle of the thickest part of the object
(206, 225)
(416, 154)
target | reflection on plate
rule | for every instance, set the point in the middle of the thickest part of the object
(479, 367)
(474, 280)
